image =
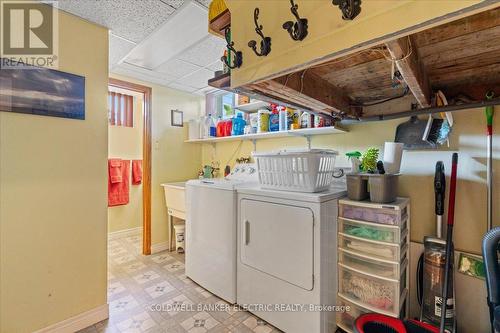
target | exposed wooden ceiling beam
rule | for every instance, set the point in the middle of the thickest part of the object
(308, 89)
(411, 70)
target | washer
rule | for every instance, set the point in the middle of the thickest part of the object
(287, 254)
(211, 230)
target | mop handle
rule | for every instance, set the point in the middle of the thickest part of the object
(449, 241)
(453, 187)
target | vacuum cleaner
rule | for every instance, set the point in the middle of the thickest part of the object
(431, 265)
(490, 248)
(376, 323)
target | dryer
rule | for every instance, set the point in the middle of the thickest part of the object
(287, 257)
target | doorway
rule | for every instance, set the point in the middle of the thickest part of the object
(144, 93)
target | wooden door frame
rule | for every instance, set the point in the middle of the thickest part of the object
(146, 157)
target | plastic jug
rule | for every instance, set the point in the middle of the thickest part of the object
(238, 125)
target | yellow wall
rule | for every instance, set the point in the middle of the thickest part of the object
(468, 138)
(173, 160)
(53, 190)
(328, 33)
(126, 143)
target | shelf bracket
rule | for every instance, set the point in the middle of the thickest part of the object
(254, 142)
(308, 138)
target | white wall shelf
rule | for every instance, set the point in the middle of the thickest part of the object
(253, 106)
(304, 132)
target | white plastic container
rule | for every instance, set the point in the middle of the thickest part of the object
(194, 129)
(393, 151)
(179, 237)
(306, 170)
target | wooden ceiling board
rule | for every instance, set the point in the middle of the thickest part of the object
(462, 64)
(477, 38)
(481, 21)
(345, 62)
(473, 76)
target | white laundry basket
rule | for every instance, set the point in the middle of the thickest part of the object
(179, 237)
(306, 170)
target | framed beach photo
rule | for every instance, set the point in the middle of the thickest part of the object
(177, 118)
(42, 91)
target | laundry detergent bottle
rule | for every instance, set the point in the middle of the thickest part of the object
(238, 125)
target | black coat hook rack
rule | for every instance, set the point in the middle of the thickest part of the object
(238, 56)
(297, 30)
(350, 8)
(265, 43)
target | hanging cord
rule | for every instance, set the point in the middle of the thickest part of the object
(235, 152)
(405, 92)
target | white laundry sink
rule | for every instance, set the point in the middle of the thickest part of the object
(175, 199)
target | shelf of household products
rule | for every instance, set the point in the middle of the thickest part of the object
(304, 132)
(373, 257)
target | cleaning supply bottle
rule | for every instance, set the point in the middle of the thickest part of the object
(305, 120)
(274, 119)
(263, 121)
(283, 119)
(238, 125)
(219, 128)
(204, 130)
(354, 157)
(211, 126)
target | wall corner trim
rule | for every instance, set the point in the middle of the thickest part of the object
(78, 322)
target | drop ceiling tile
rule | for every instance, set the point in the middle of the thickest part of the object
(173, 3)
(143, 71)
(206, 52)
(118, 49)
(216, 66)
(204, 3)
(176, 68)
(204, 91)
(139, 76)
(196, 80)
(181, 87)
(133, 20)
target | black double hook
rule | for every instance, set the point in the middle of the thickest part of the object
(350, 8)
(265, 43)
(297, 30)
(238, 56)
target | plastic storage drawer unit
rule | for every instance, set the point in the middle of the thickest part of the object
(385, 269)
(381, 294)
(373, 231)
(372, 249)
(392, 214)
(345, 320)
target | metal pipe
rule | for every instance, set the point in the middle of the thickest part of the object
(430, 110)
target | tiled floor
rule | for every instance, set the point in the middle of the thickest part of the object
(152, 294)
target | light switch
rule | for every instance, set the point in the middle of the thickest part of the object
(157, 145)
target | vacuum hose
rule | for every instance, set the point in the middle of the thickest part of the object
(491, 246)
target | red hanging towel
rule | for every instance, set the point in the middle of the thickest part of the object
(118, 193)
(115, 170)
(136, 172)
